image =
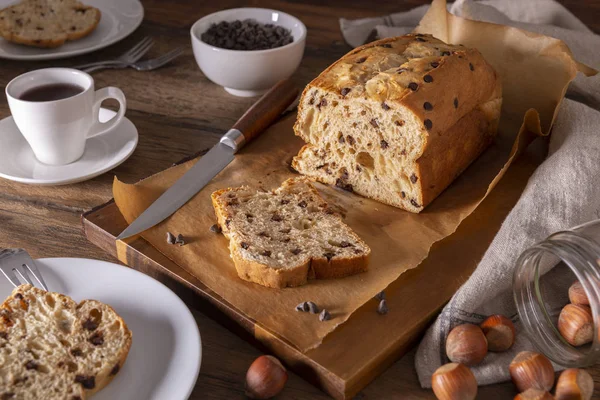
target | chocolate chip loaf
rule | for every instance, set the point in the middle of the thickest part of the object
(53, 348)
(397, 120)
(286, 236)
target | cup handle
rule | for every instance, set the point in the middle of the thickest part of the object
(110, 92)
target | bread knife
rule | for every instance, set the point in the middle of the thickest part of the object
(258, 117)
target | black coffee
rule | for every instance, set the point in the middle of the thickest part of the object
(55, 91)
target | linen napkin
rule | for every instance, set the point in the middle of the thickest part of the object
(562, 193)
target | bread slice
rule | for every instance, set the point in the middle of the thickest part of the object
(399, 119)
(54, 348)
(47, 23)
(286, 236)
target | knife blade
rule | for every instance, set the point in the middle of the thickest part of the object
(248, 127)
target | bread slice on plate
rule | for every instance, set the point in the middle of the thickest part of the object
(284, 237)
(47, 23)
(53, 348)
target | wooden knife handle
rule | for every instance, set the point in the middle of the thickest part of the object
(267, 109)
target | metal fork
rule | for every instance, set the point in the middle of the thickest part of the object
(17, 266)
(147, 65)
(130, 56)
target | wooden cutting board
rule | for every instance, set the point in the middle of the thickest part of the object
(365, 345)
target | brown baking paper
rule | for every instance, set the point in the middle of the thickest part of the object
(399, 240)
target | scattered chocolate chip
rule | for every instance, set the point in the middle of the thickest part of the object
(215, 228)
(384, 144)
(266, 253)
(73, 28)
(31, 365)
(455, 102)
(286, 240)
(399, 122)
(18, 296)
(445, 53)
(60, 364)
(413, 86)
(427, 106)
(322, 103)
(276, 218)
(428, 124)
(471, 67)
(343, 185)
(89, 325)
(414, 203)
(233, 202)
(180, 240)
(96, 339)
(380, 295)
(170, 238)
(413, 178)
(382, 308)
(285, 201)
(311, 101)
(345, 91)
(420, 39)
(300, 307)
(88, 382)
(115, 369)
(402, 194)
(324, 316)
(345, 244)
(227, 222)
(19, 22)
(428, 78)
(386, 45)
(76, 352)
(341, 140)
(403, 152)
(374, 123)
(385, 106)
(302, 204)
(4, 335)
(312, 307)
(295, 251)
(286, 230)
(244, 245)
(350, 140)
(435, 64)
(328, 255)
(358, 168)
(264, 234)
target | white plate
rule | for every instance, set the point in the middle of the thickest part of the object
(119, 19)
(102, 153)
(165, 355)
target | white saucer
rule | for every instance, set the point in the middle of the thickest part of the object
(165, 356)
(102, 153)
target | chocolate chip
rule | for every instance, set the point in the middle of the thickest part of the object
(233, 202)
(302, 307)
(18, 296)
(428, 78)
(399, 122)
(302, 204)
(428, 124)
(264, 234)
(244, 245)
(312, 307)
(311, 101)
(87, 381)
(403, 152)
(420, 39)
(413, 86)
(358, 168)
(471, 67)
(76, 352)
(386, 45)
(246, 34)
(427, 106)
(89, 325)
(435, 64)
(345, 91)
(19, 22)
(455, 102)
(296, 251)
(115, 369)
(170, 238)
(324, 316)
(345, 244)
(413, 178)
(4, 335)
(343, 185)
(215, 228)
(276, 218)
(227, 222)
(382, 308)
(374, 123)
(73, 28)
(31, 365)
(266, 253)
(380, 295)
(96, 339)
(9, 395)
(76, 398)
(180, 240)
(385, 106)
(414, 203)
(322, 103)
(286, 240)
(361, 60)
(384, 144)
(341, 140)
(403, 195)
(285, 201)
(350, 140)
(329, 255)
(445, 53)
(287, 230)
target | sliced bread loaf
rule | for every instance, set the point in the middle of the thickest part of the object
(284, 237)
(54, 348)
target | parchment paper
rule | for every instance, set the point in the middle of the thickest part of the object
(399, 240)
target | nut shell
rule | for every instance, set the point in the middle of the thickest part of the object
(454, 382)
(466, 344)
(574, 384)
(534, 394)
(265, 378)
(529, 370)
(577, 294)
(499, 332)
(576, 324)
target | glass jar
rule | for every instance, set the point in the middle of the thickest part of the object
(541, 281)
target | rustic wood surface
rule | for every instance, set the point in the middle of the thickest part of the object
(179, 112)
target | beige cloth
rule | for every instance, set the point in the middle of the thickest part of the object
(562, 193)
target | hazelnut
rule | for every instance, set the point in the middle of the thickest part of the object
(577, 294)
(576, 325)
(574, 384)
(454, 382)
(530, 370)
(265, 378)
(466, 344)
(534, 394)
(499, 332)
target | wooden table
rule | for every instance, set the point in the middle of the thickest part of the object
(179, 112)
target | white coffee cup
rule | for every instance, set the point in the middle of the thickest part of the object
(57, 130)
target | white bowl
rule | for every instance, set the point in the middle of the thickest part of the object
(249, 72)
